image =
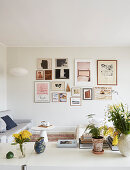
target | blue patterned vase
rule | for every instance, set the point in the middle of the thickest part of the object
(39, 146)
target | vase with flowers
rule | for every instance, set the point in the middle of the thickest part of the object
(120, 117)
(20, 139)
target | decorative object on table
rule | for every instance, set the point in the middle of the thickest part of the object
(75, 101)
(42, 92)
(61, 62)
(87, 93)
(2, 126)
(58, 86)
(110, 143)
(61, 73)
(62, 97)
(44, 63)
(103, 93)
(39, 75)
(67, 143)
(67, 88)
(55, 97)
(106, 72)
(40, 145)
(120, 117)
(48, 74)
(76, 91)
(44, 123)
(20, 139)
(9, 155)
(83, 72)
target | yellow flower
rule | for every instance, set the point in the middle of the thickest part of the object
(25, 134)
(110, 131)
(115, 139)
(16, 135)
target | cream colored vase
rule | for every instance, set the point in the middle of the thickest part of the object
(124, 145)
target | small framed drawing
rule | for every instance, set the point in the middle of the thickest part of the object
(44, 63)
(61, 73)
(87, 93)
(55, 97)
(61, 62)
(39, 75)
(103, 93)
(75, 101)
(48, 74)
(106, 72)
(76, 92)
(63, 97)
(83, 72)
(42, 92)
(58, 86)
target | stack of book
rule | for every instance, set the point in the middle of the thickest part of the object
(109, 141)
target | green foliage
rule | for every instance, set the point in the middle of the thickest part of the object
(120, 117)
(95, 131)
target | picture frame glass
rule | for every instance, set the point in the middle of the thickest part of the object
(87, 94)
(76, 92)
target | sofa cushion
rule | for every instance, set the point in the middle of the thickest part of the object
(2, 125)
(9, 122)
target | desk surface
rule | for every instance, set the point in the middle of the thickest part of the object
(64, 157)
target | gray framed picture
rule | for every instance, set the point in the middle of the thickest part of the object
(87, 93)
(61, 62)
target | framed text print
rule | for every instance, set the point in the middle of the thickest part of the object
(83, 72)
(42, 92)
(106, 72)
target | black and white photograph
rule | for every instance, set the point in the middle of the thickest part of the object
(61, 73)
(61, 62)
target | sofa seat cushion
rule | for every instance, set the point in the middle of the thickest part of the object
(17, 129)
(9, 122)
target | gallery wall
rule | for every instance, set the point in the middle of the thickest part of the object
(2, 77)
(20, 90)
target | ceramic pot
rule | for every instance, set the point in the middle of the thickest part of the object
(98, 145)
(39, 146)
(124, 145)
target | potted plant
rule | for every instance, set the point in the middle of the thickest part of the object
(120, 117)
(97, 139)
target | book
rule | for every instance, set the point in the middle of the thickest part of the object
(109, 141)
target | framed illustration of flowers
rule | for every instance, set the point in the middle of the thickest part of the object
(84, 72)
(106, 72)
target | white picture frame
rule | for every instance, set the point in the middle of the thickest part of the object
(55, 97)
(75, 101)
(76, 92)
(84, 69)
(61, 63)
(41, 92)
(58, 86)
(103, 93)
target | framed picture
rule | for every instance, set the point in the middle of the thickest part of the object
(69, 143)
(48, 74)
(61, 62)
(87, 93)
(39, 75)
(83, 72)
(103, 93)
(44, 63)
(55, 97)
(42, 92)
(63, 97)
(58, 86)
(106, 72)
(76, 91)
(61, 73)
(75, 101)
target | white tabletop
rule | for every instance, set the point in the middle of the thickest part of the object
(36, 128)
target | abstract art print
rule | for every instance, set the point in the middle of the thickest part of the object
(62, 97)
(39, 75)
(44, 63)
(58, 86)
(55, 97)
(106, 72)
(76, 91)
(87, 93)
(61, 62)
(103, 93)
(75, 101)
(42, 92)
(61, 73)
(83, 72)
(48, 74)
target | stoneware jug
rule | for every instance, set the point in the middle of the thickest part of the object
(39, 146)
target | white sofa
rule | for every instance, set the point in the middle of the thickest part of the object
(22, 124)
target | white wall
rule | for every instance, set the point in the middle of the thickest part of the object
(2, 77)
(21, 89)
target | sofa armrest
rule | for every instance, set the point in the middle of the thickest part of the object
(19, 121)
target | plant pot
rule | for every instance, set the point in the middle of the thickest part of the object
(98, 145)
(124, 145)
(39, 146)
